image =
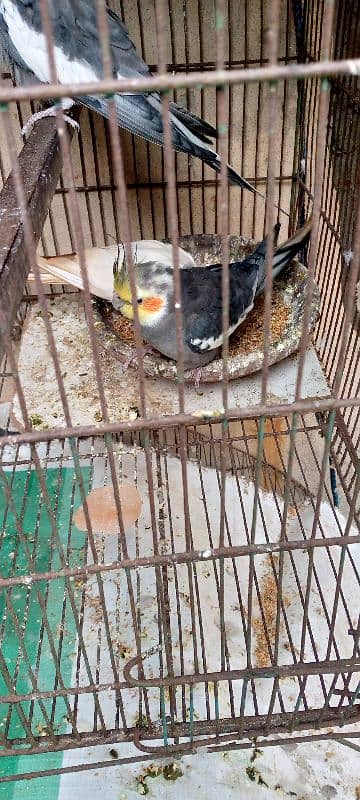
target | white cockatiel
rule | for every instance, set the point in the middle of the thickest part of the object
(100, 263)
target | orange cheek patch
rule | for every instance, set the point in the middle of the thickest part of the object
(153, 304)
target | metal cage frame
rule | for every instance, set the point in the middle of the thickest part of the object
(326, 72)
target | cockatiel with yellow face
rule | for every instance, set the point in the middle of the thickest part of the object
(201, 290)
(201, 298)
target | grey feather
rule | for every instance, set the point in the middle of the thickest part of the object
(247, 281)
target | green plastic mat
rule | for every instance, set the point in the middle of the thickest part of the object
(14, 559)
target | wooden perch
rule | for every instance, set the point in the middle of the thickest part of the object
(40, 166)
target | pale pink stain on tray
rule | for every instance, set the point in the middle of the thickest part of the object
(103, 511)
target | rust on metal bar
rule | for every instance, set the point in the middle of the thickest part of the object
(253, 728)
(40, 164)
(307, 405)
(324, 140)
(225, 745)
(192, 80)
(182, 558)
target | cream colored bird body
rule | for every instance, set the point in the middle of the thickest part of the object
(100, 262)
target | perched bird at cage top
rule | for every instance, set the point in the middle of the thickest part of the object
(201, 298)
(78, 58)
(100, 261)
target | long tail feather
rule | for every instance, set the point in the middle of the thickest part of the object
(200, 127)
(142, 116)
(284, 254)
(288, 250)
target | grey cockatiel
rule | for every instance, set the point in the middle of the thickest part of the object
(78, 60)
(201, 299)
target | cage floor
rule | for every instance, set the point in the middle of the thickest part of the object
(190, 617)
(121, 386)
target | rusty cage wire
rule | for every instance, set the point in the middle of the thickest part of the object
(231, 612)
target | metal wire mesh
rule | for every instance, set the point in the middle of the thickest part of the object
(226, 524)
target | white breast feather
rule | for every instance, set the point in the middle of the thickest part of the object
(31, 46)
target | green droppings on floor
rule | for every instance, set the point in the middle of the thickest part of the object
(15, 558)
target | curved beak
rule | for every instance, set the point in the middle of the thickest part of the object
(117, 302)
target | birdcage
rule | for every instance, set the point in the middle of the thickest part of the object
(227, 615)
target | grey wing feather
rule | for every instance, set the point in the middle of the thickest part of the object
(200, 336)
(125, 55)
(196, 125)
(202, 298)
(126, 60)
(141, 115)
(134, 114)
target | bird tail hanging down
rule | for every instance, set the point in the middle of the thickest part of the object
(189, 137)
(142, 116)
(288, 250)
(284, 254)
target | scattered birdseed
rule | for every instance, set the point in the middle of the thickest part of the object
(123, 327)
(249, 336)
(264, 626)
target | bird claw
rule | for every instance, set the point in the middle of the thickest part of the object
(47, 112)
(195, 376)
(72, 122)
(132, 359)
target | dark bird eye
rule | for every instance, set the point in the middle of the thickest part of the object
(140, 299)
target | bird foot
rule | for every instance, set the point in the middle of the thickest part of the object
(47, 112)
(132, 359)
(195, 376)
